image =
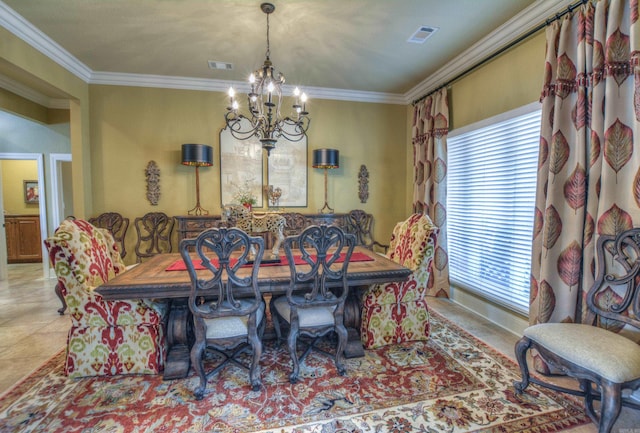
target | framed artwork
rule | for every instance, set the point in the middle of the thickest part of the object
(31, 193)
(240, 169)
(287, 170)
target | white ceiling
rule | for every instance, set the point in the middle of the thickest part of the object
(349, 46)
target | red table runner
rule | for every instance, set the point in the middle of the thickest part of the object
(179, 265)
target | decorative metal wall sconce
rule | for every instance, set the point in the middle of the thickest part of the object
(197, 155)
(152, 173)
(363, 181)
(326, 158)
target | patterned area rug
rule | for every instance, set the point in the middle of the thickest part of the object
(452, 383)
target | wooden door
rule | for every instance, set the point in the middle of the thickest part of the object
(23, 239)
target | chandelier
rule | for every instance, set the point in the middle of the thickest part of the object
(265, 120)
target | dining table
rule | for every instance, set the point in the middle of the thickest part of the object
(164, 277)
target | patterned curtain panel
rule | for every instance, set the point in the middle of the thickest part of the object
(589, 164)
(430, 129)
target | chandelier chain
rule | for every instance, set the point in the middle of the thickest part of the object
(268, 48)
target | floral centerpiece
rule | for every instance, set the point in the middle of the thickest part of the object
(244, 195)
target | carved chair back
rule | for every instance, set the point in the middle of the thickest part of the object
(295, 222)
(360, 224)
(320, 248)
(614, 297)
(116, 224)
(154, 234)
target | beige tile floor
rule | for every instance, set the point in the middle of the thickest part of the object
(31, 331)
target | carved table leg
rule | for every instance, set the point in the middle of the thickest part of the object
(58, 290)
(179, 340)
(352, 317)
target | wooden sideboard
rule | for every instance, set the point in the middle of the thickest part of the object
(23, 238)
(189, 226)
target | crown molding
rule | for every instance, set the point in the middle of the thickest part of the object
(16, 24)
(23, 91)
(30, 94)
(167, 82)
(484, 48)
(503, 35)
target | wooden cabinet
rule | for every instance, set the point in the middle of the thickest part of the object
(189, 226)
(23, 238)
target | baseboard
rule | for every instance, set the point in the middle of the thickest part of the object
(506, 319)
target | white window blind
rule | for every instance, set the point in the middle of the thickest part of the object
(490, 208)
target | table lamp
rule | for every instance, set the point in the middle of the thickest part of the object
(326, 158)
(198, 155)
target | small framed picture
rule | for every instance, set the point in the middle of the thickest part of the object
(31, 193)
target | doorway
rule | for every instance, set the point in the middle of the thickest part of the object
(39, 186)
(61, 187)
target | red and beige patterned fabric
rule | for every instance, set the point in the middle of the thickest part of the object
(589, 165)
(397, 312)
(429, 136)
(106, 337)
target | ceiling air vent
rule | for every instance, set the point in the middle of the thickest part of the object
(422, 34)
(220, 65)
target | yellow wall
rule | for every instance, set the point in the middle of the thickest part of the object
(20, 62)
(131, 126)
(22, 107)
(509, 81)
(14, 172)
(55, 116)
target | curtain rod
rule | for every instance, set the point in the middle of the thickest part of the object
(511, 44)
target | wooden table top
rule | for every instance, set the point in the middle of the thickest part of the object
(150, 279)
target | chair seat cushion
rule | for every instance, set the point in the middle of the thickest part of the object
(308, 317)
(605, 353)
(232, 326)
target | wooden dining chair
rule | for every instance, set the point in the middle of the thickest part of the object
(225, 301)
(154, 231)
(605, 362)
(315, 299)
(360, 223)
(117, 225)
(107, 337)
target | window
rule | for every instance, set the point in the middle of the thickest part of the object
(490, 206)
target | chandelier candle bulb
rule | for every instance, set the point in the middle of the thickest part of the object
(232, 104)
(296, 93)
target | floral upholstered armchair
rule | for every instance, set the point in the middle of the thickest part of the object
(397, 312)
(106, 337)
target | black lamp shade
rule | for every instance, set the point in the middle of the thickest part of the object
(326, 158)
(200, 155)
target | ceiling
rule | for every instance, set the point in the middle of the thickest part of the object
(349, 45)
